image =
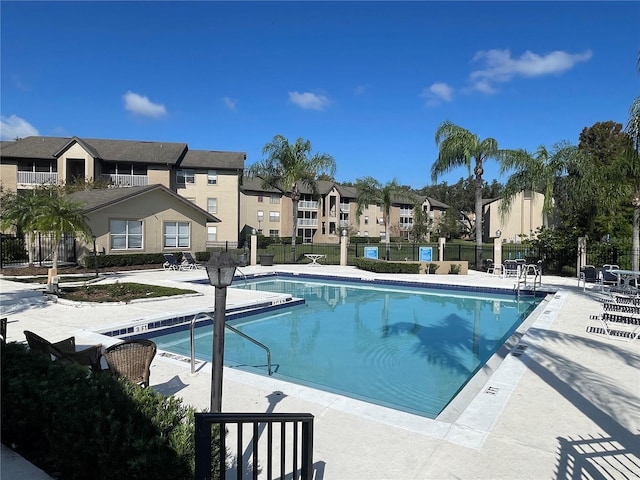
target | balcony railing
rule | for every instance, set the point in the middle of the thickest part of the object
(344, 207)
(307, 205)
(307, 222)
(37, 178)
(288, 449)
(126, 180)
(344, 223)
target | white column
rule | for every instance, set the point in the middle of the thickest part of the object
(441, 242)
(254, 249)
(582, 254)
(497, 251)
(344, 240)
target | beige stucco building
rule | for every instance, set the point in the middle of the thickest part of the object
(521, 221)
(209, 179)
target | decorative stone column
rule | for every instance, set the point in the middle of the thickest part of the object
(344, 241)
(254, 248)
(441, 242)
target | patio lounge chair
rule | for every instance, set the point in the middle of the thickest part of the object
(617, 314)
(588, 274)
(131, 359)
(171, 263)
(608, 277)
(65, 351)
(510, 268)
(189, 261)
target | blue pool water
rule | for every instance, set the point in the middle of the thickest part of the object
(409, 348)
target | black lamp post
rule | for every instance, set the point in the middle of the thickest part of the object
(220, 269)
(95, 256)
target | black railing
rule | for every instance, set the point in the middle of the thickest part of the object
(14, 249)
(293, 453)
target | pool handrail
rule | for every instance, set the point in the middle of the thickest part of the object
(201, 315)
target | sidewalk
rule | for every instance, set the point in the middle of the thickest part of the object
(567, 406)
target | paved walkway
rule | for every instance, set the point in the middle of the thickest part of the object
(567, 406)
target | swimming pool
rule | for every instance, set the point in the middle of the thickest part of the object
(410, 348)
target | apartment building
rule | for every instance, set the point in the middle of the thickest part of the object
(209, 179)
(325, 214)
(521, 222)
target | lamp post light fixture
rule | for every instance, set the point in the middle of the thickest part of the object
(95, 256)
(220, 268)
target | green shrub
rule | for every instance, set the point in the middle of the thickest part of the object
(127, 259)
(432, 267)
(381, 266)
(454, 268)
(84, 425)
(364, 240)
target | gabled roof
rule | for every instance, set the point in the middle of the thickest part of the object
(437, 203)
(254, 184)
(213, 159)
(94, 200)
(50, 148)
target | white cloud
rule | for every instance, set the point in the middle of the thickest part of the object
(141, 105)
(15, 127)
(498, 66)
(309, 101)
(230, 103)
(437, 93)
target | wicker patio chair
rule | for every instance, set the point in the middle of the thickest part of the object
(131, 359)
(65, 351)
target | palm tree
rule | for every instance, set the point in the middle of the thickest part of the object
(536, 172)
(631, 172)
(20, 211)
(371, 192)
(458, 147)
(59, 215)
(287, 167)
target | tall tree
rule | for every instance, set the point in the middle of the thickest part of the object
(536, 172)
(459, 147)
(370, 191)
(287, 167)
(59, 216)
(20, 211)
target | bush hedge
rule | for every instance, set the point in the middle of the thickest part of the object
(130, 259)
(382, 266)
(78, 425)
(364, 239)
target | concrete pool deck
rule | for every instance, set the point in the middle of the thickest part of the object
(567, 406)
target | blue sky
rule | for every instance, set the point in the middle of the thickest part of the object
(366, 82)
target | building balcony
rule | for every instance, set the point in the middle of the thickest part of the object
(37, 178)
(344, 223)
(307, 205)
(308, 222)
(126, 180)
(344, 208)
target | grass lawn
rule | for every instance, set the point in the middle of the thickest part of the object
(118, 292)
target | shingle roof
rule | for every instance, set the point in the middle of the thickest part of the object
(93, 200)
(135, 151)
(213, 159)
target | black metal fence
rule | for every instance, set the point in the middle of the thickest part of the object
(14, 249)
(285, 450)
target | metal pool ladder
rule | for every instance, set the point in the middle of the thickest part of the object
(233, 329)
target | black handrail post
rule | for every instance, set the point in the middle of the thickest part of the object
(203, 448)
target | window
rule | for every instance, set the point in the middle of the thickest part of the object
(274, 216)
(126, 234)
(260, 215)
(274, 233)
(186, 176)
(274, 199)
(366, 220)
(212, 177)
(212, 234)
(177, 235)
(212, 205)
(260, 199)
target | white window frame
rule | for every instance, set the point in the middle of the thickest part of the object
(274, 199)
(212, 205)
(212, 233)
(129, 243)
(274, 233)
(188, 176)
(179, 235)
(274, 216)
(212, 177)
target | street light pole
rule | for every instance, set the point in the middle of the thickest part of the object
(218, 348)
(220, 268)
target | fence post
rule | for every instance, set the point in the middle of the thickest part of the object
(582, 254)
(441, 243)
(40, 248)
